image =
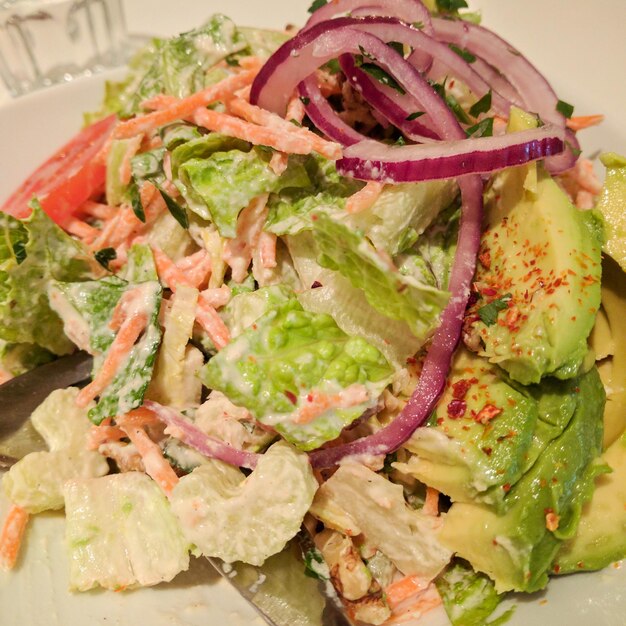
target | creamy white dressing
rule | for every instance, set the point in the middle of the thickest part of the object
(74, 325)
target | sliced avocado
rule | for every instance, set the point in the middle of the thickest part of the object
(538, 279)
(517, 549)
(612, 205)
(478, 438)
(601, 536)
(612, 349)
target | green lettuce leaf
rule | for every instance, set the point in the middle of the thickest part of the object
(386, 289)
(227, 181)
(290, 355)
(87, 307)
(18, 358)
(177, 66)
(238, 518)
(121, 533)
(403, 212)
(469, 598)
(33, 252)
(329, 292)
(290, 210)
(376, 505)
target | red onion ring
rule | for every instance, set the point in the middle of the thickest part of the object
(536, 92)
(437, 362)
(324, 116)
(183, 429)
(409, 11)
(301, 56)
(394, 107)
(371, 160)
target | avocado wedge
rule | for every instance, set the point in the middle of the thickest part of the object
(517, 549)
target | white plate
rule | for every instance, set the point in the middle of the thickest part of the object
(582, 52)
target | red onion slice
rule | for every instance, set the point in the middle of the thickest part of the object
(181, 428)
(371, 160)
(437, 363)
(302, 55)
(535, 91)
(409, 11)
(324, 116)
(394, 107)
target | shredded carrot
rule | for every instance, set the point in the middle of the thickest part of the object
(398, 591)
(238, 251)
(272, 121)
(431, 504)
(184, 107)
(159, 102)
(317, 403)
(426, 601)
(267, 249)
(251, 63)
(11, 536)
(85, 232)
(580, 122)
(167, 270)
(98, 210)
(139, 418)
(364, 198)
(156, 466)
(103, 433)
(206, 315)
(295, 111)
(258, 135)
(120, 312)
(118, 351)
(213, 324)
(216, 297)
(197, 268)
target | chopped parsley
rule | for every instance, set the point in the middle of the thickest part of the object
(414, 116)
(177, 211)
(317, 4)
(381, 76)
(450, 6)
(314, 564)
(135, 201)
(105, 256)
(489, 313)
(306, 101)
(565, 108)
(466, 55)
(481, 106)
(452, 103)
(484, 128)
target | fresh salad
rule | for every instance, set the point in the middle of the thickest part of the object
(353, 281)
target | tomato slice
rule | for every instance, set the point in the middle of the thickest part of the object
(68, 178)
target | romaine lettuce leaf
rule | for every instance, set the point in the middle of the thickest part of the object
(403, 212)
(121, 533)
(36, 481)
(87, 307)
(469, 597)
(246, 308)
(407, 536)
(227, 515)
(290, 210)
(177, 66)
(396, 296)
(227, 181)
(62, 424)
(33, 252)
(299, 373)
(326, 291)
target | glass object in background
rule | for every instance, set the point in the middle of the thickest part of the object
(51, 41)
